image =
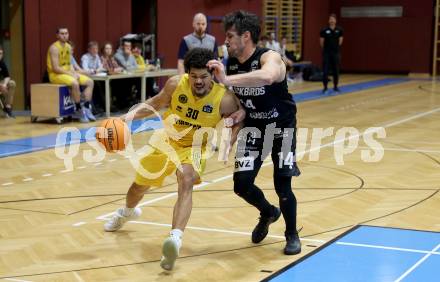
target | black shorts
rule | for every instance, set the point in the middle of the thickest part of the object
(255, 143)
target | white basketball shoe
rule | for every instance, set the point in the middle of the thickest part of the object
(119, 219)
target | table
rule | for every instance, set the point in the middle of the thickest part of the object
(141, 75)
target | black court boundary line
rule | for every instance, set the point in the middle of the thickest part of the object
(401, 228)
(284, 269)
(320, 248)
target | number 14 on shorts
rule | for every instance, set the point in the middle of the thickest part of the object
(287, 160)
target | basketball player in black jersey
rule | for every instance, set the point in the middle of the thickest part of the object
(258, 78)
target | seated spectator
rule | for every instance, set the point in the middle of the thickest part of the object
(61, 71)
(7, 87)
(90, 61)
(140, 61)
(142, 65)
(131, 86)
(111, 66)
(108, 61)
(125, 58)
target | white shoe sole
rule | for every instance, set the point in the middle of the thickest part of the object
(170, 253)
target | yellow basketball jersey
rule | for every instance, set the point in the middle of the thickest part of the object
(63, 57)
(140, 61)
(192, 113)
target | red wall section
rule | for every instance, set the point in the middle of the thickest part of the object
(174, 20)
(315, 17)
(388, 44)
(32, 44)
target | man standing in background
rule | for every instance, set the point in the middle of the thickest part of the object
(199, 38)
(331, 38)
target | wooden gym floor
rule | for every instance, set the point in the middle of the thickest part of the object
(51, 220)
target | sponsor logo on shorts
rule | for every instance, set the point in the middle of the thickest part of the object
(244, 164)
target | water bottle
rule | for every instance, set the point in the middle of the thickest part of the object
(157, 64)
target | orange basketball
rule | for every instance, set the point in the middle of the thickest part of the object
(113, 134)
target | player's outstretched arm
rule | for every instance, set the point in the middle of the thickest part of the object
(158, 102)
(272, 70)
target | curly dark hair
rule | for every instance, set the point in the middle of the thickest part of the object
(197, 58)
(243, 21)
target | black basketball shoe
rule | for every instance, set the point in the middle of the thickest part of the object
(293, 244)
(262, 228)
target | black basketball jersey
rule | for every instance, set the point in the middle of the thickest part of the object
(265, 104)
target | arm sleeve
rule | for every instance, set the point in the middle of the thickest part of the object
(183, 48)
(341, 31)
(120, 61)
(322, 33)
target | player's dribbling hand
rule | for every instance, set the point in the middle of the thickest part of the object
(236, 117)
(219, 71)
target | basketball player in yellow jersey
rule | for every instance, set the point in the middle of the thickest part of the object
(194, 101)
(61, 71)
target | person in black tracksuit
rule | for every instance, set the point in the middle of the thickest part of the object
(258, 78)
(331, 38)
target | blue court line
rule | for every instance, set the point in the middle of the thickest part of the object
(32, 144)
(347, 89)
(387, 261)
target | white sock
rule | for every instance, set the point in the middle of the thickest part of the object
(127, 211)
(177, 233)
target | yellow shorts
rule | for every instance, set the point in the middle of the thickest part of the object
(156, 166)
(67, 79)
